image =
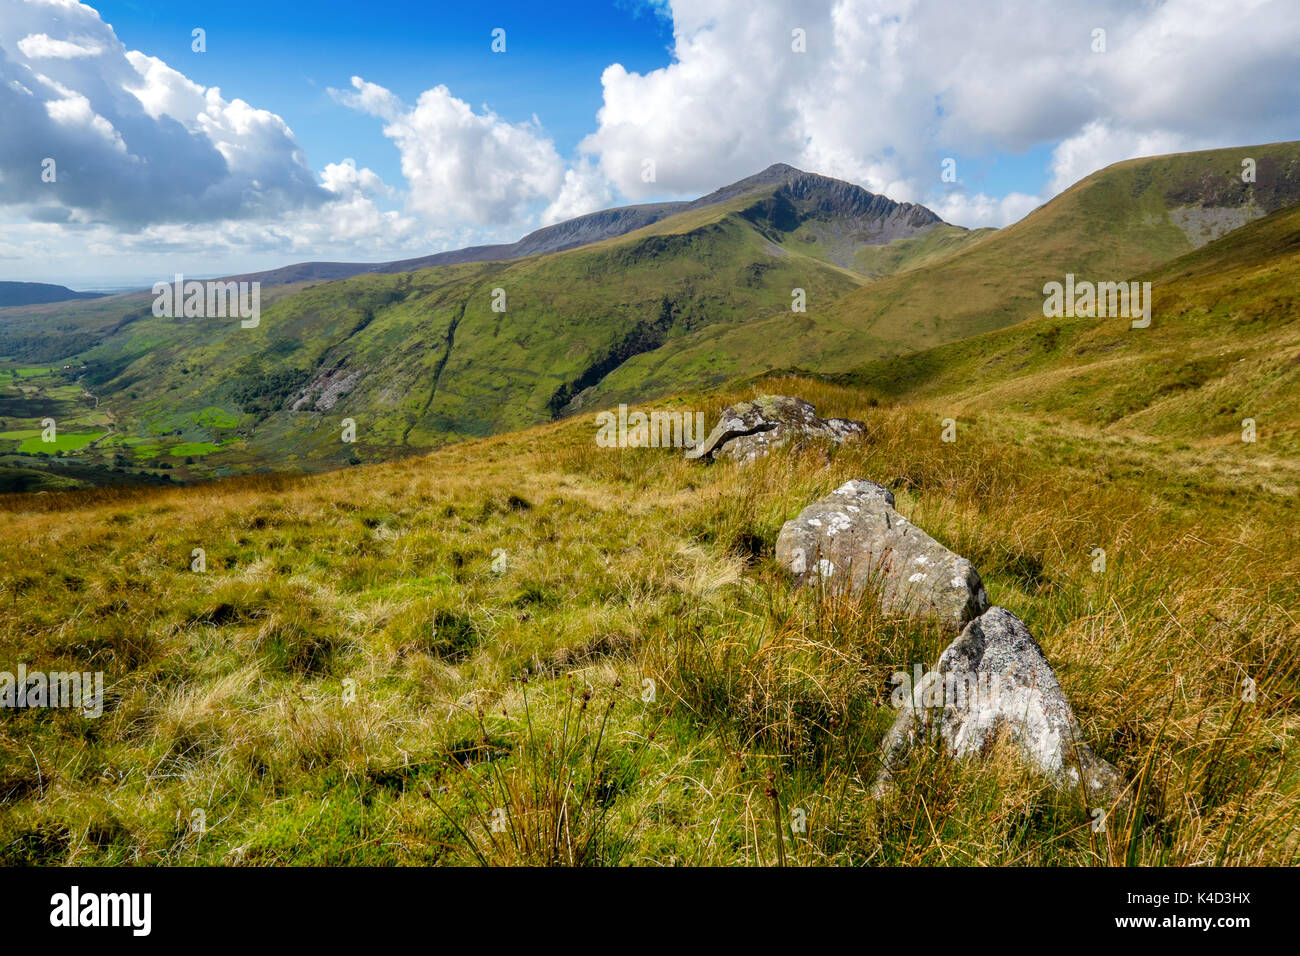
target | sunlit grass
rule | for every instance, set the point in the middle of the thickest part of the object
(358, 676)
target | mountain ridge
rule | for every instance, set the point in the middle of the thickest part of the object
(40, 293)
(694, 300)
(618, 221)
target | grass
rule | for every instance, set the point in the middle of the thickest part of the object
(63, 441)
(195, 448)
(1222, 347)
(356, 677)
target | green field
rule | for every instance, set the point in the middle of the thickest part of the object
(63, 441)
(351, 682)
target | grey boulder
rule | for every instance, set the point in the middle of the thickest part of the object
(854, 539)
(993, 679)
(749, 430)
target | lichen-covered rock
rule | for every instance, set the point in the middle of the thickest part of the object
(993, 679)
(853, 538)
(750, 430)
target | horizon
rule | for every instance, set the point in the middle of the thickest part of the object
(115, 285)
(272, 138)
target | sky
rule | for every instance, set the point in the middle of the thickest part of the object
(132, 148)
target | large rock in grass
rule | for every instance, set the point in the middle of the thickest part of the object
(750, 430)
(993, 680)
(854, 539)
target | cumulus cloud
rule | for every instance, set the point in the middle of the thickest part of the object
(463, 166)
(38, 45)
(133, 142)
(585, 190)
(976, 210)
(887, 87)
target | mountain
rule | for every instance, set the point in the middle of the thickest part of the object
(871, 219)
(419, 358)
(36, 293)
(1113, 225)
(700, 297)
(593, 227)
(1223, 346)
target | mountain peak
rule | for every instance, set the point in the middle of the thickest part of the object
(833, 197)
(778, 170)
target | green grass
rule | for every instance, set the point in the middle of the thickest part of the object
(213, 417)
(525, 690)
(63, 441)
(192, 448)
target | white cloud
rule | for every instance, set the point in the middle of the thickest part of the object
(37, 45)
(976, 210)
(585, 190)
(142, 154)
(887, 87)
(463, 166)
(172, 152)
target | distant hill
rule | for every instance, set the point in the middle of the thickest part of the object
(700, 294)
(837, 199)
(1223, 346)
(419, 358)
(38, 293)
(1126, 219)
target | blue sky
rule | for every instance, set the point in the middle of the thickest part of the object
(385, 130)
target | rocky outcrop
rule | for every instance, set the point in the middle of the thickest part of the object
(854, 539)
(749, 430)
(326, 389)
(992, 681)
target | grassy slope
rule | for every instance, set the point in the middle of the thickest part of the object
(226, 689)
(435, 362)
(1113, 225)
(1224, 345)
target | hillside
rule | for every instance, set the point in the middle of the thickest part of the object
(1117, 223)
(599, 642)
(421, 358)
(37, 293)
(1223, 346)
